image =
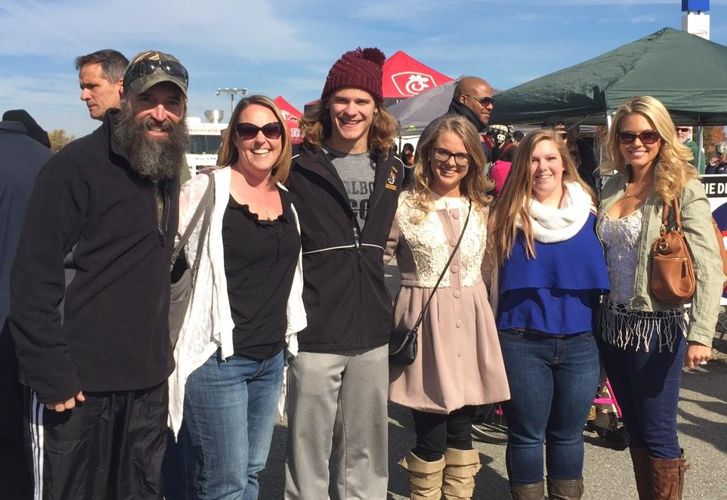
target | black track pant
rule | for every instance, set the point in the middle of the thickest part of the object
(111, 446)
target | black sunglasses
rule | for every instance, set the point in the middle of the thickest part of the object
(682, 129)
(484, 101)
(149, 66)
(646, 137)
(247, 131)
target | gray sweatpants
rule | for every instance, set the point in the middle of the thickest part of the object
(337, 403)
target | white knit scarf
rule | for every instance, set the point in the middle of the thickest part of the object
(551, 224)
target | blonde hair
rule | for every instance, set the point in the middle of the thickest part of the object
(475, 185)
(317, 127)
(229, 154)
(673, 160)
(516, 195)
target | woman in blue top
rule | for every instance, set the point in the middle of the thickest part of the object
(552, 272)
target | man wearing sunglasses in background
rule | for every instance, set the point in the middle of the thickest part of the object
(101, 77)
(345, 182)
(90, 294)
(684, 134)
(473, 99)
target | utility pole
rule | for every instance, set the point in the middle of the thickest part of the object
(232, 92)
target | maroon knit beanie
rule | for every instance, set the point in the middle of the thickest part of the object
(357, 69)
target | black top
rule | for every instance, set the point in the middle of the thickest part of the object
(90, 283)
(260, 260)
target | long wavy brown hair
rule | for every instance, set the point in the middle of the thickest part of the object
(673, 170)
(228, 151)
(317, 127)
(474, 186)
(514, 201)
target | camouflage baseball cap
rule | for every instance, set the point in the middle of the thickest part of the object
(152, 67)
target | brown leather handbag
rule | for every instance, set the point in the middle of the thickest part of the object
(672, 268)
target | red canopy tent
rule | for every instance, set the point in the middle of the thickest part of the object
(404, 77)
(286, 107)
(292, 115)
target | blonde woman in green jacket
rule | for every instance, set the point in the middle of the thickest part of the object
(645, 343)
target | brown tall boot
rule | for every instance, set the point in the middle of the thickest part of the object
(535, 491)
(459, 473)
(565, 489)
(425, 478)
(640, 461)
(667, 478)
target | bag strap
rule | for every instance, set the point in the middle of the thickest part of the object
(209, 201)
(194, 220)
(444, 271)
(671, 217)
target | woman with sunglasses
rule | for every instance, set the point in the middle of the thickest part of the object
(551, 274)
(459, 364)
(246, 307)
(644, 341)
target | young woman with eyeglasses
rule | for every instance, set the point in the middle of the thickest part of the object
(245, 309)
(551, 272)
(645, 343)
(459, 364)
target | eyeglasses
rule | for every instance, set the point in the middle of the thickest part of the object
(247, 131)
(443, 155)
(682, 129)
(562, 135)
(149, 66)
(484, 101)
(646, 137)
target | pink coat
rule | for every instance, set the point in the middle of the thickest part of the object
(459, 361)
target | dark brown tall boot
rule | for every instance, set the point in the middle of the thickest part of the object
(640, 461)
(667, 478)
(565, 489)
(535, 491)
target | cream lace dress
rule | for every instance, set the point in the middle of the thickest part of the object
(459, 361)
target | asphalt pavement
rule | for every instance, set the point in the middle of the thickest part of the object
(702, 423)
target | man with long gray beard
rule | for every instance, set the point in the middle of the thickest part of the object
(90, 294)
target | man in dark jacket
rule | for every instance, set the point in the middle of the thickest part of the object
(345, 184)
(21, 159)
(473, 99)
(101, 78)
(90, 294)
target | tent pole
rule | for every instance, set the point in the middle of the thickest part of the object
(699, 161)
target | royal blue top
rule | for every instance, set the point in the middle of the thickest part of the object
(556, 292)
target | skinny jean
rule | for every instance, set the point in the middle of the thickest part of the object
(646, 385)
(438, 431)
(553, 381)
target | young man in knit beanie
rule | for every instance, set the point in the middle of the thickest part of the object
(345, 182)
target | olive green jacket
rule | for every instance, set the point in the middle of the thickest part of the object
(697, 221)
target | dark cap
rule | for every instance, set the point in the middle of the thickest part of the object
(357, 69)
(152, 67)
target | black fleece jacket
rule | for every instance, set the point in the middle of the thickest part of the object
(90, 282)
(345, 296)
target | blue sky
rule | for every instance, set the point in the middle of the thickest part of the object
(287, 46)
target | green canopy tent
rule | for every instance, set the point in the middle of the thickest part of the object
(685, 72)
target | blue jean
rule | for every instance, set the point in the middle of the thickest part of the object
(553, 381)
(646, 385)
(229, 416)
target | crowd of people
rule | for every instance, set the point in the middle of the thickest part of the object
(517, 283)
